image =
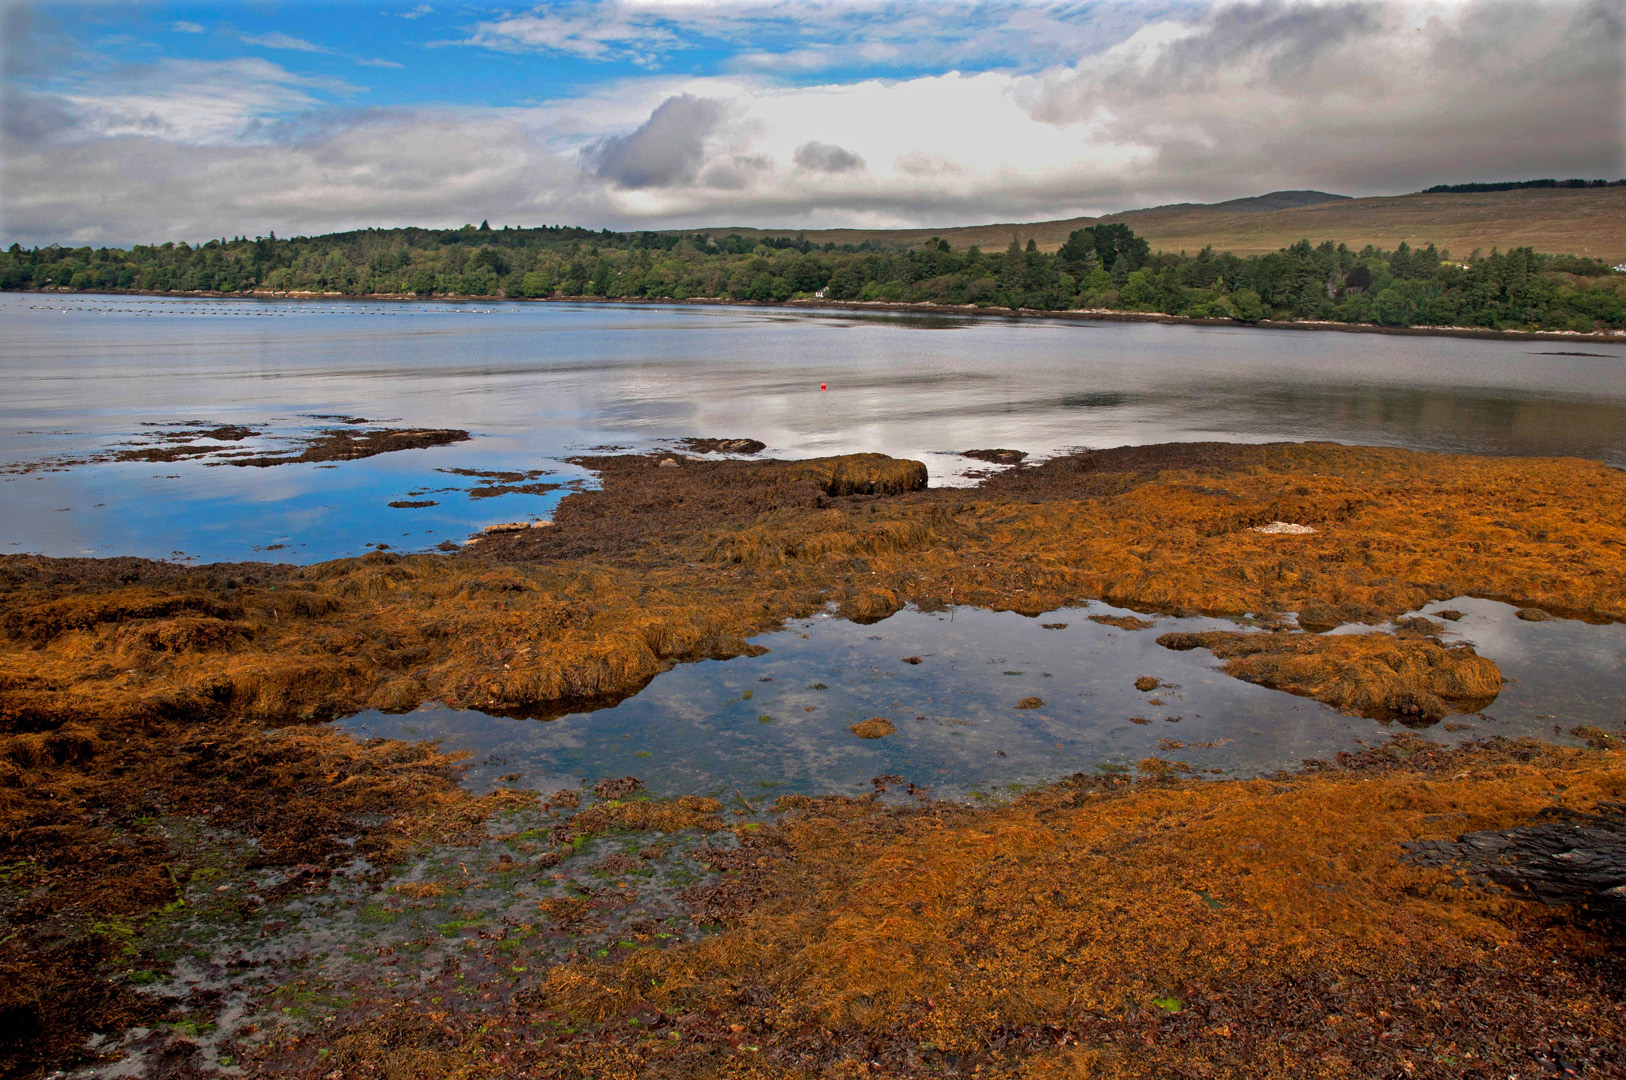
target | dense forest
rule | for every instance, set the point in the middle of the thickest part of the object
(1102, 267)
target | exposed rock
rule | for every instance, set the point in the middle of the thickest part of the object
(724, 446)
(997, 457)
(1562, 856)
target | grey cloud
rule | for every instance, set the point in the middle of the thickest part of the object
(919, 163)
(973, 201)
(383, 169)
(1364, 96)
(1281, 40)
(666, 150)
(34, 43)
(736, 172)
(32, 118)
(823, 157)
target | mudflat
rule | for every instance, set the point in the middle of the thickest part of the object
(1100, 926)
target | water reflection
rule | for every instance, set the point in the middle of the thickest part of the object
(537, 382)
(779, 723)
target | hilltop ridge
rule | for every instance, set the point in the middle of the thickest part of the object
(1589, 222)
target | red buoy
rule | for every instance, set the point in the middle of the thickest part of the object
(821, 386)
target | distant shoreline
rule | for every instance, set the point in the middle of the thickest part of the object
(964, 310)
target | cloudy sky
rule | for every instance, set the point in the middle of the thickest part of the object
(145, 122)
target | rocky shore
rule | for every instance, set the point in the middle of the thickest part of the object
(1102, 926)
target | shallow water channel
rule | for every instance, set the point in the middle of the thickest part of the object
(779, 723)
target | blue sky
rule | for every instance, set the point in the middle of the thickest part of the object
(155, 121)
(419, 54)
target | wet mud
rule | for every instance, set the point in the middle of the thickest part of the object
(131, 691)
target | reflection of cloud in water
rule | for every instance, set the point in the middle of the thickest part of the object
(1562, 668)
(536, 382)
(957, 728)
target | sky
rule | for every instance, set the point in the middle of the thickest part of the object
(127, 122)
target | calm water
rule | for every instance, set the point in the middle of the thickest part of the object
(778, 723)
(536, 382)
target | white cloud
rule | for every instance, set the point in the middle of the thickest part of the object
(186, 28)
(279, 40)
(366, 61)
(417, 13)
(199, 102)
(1363, 97)
(793, 60)
(879, 52)
(798, 37)
(592, 32)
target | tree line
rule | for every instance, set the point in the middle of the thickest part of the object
(1104, 266)
(1516, 185)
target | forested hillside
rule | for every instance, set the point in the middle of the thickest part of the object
(1104, 266)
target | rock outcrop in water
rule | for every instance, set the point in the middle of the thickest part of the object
(1410, 679)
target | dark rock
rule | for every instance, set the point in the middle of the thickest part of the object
(1561, 857)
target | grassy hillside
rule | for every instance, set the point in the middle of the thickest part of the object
(1589, 222)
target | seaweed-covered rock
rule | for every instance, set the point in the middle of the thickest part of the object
(997, 456)
(724, 446)
(1411, 679)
